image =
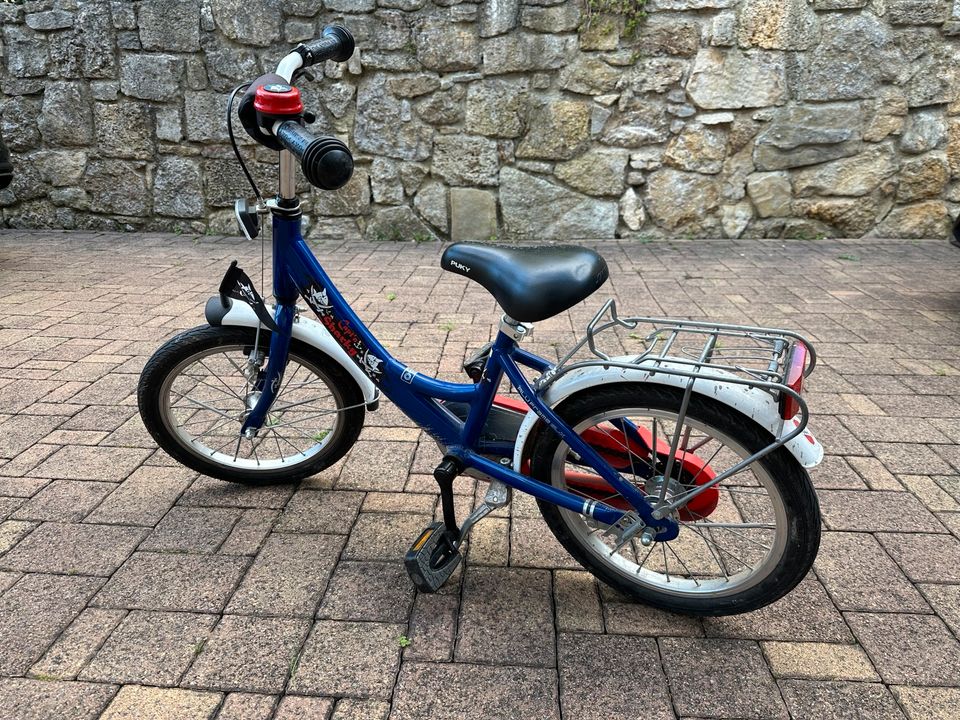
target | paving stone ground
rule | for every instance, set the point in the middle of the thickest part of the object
(132, 588)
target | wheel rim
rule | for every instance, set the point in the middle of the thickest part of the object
(734, 549)
(205, 398)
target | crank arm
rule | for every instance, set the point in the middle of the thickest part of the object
(498, 495)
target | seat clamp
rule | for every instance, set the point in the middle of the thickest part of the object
(517, 330)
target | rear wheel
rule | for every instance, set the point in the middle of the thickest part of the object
(741, 546)
(198, 388)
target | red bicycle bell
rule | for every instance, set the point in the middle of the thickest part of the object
(277, 101)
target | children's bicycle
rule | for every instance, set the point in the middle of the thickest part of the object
(675, 473)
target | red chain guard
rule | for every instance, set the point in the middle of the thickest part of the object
(610, 445)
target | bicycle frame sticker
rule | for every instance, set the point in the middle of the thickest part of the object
(341, 331)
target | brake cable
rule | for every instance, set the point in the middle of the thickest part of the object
(256, 191)
(233, 141)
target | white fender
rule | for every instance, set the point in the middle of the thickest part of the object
(312, 333)
(753, 403)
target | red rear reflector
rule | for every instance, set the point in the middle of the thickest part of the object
(796, 362)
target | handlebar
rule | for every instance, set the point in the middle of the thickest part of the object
(271, 112)
(335, 43)
(326, 162)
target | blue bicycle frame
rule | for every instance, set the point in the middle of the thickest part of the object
(296, 272)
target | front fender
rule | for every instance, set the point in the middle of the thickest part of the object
(304, 329)
(753, 403)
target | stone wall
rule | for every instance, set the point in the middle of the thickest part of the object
(499, 119)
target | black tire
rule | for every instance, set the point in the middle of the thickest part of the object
(343, 387)
(789, 477)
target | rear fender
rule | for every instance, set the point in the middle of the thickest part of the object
(239, 314)
(752, 403)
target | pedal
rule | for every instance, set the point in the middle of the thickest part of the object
(431, 560)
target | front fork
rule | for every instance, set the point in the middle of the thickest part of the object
(286, 226)
(269, 381)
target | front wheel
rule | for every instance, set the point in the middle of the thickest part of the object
(198, 388)
(743, 544)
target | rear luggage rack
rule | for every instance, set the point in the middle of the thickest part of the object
(768, 359)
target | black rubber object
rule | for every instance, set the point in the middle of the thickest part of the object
(789, 478)
(192, 343)
(530, 283)
(326, 161)
(335, 43)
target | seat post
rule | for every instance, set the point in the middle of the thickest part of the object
(515, 329)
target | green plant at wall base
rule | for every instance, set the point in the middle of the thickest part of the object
(389, 234)
(632, 11)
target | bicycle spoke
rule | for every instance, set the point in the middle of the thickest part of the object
(232, 392)
(302, 433)
(722, 549)
(296, 404)
(713, 554)
(201, 421)
(693, 480)
(281, 437)
(744, 537)
(292, 375)
(209, 430)
(642, 562)
(309, 383)
(221, 446)
(201, 404)
(214, 387)
(682, 563)
(318, 415)
(246, 381)
(696, 446)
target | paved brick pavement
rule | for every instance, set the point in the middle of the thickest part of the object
(131, 588)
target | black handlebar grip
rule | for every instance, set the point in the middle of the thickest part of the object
(326, 161)
(335, 43)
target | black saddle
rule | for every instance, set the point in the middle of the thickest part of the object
(529, 283)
